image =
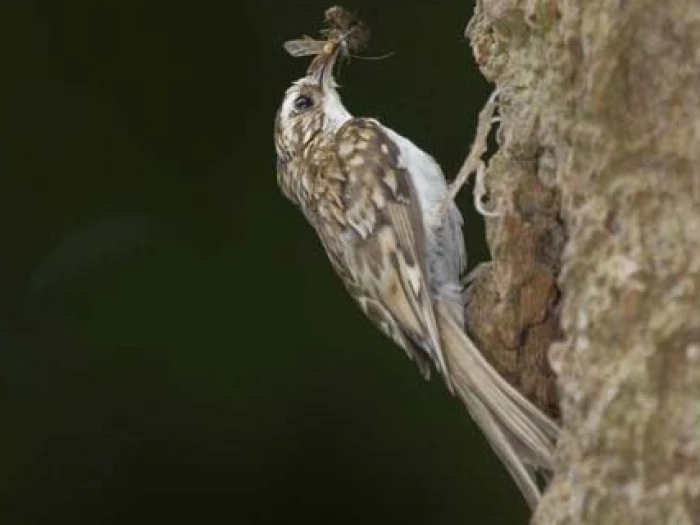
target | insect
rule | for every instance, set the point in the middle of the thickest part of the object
(345, 31)
(376, 201)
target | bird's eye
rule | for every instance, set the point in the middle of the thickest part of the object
(303, 102)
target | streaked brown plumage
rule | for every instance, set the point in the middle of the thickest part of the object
(376, 203)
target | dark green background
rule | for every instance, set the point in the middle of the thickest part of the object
(174, 347)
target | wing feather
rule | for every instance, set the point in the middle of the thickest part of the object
(386, 253)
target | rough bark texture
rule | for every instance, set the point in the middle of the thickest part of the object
(598, 153)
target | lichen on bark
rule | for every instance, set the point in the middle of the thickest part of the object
(598, 152)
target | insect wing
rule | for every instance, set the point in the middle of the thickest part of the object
(304, 47)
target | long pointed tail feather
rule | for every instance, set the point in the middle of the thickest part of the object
(520, 434)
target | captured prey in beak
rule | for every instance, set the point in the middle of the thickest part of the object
(322, 65)
(375, 201)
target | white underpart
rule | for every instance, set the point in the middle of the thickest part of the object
(425, 173)
(336, 114)
(445, 250)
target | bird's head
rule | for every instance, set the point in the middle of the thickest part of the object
(310, 106)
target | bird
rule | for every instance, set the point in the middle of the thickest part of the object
(375, 201)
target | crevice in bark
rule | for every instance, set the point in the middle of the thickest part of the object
(598, 258)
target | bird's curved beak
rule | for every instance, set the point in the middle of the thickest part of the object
(321, 67)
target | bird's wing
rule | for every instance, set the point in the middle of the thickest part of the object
(383, 247)
(379, 251)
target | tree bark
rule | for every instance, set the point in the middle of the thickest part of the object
(599, 245)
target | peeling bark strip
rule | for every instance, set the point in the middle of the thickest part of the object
(602, 102)
(512, 303)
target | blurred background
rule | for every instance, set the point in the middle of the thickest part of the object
(174, 346)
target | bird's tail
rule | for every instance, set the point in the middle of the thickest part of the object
(522, 436)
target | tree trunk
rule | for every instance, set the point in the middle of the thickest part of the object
(599, 245)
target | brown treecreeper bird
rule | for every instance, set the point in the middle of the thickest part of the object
(375, 200)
